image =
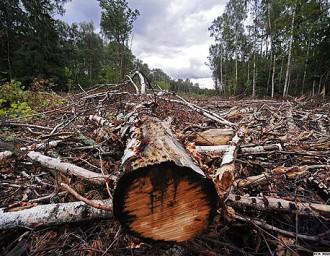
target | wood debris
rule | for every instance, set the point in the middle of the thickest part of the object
(154, 155)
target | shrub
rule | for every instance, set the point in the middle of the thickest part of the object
(15, 101)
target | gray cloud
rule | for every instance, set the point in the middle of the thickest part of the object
(82, 10)
(169, 34)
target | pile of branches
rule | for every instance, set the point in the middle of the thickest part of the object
(269, 161)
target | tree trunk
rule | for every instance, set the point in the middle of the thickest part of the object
(236, 76)
(320, 83)
(236, 64)
(273, 75)
(270, 68)
(162, 195)
(254, 76)
(272, 55)
(305, 71)
(248, 72)
(287, 75)
(8, 56)
(221, 72)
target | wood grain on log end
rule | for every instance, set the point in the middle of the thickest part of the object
(165, 202)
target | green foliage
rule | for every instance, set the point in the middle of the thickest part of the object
(30, 44)
(250, 33)
(15, 101)
(117, 20)
(163, 84)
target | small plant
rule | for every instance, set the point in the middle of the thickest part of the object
(15, 101)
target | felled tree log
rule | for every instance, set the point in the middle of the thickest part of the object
(213, 137)
(162, 195)
(53, 214)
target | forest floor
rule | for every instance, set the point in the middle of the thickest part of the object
(292, 164)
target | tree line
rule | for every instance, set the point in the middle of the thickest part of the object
(271, 48)
(36, 45)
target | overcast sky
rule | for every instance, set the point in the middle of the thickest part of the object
(168, 34)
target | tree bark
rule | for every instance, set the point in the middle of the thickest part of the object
(254, 76)
(305, 70)
(52, 214)
(273, 75)
(282, 205)
(68, 168)
(244, 150)
(224, 176)
(287, 75)
(236, 65)
(161, 188)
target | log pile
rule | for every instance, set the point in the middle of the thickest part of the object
(119, 170)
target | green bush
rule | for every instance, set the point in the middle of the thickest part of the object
(15, 101)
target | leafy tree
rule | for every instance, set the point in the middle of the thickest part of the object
(117, 24)
(30, 39)
(279, 44)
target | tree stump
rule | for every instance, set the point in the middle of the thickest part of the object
(162, 195)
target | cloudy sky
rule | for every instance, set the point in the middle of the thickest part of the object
(168, 34)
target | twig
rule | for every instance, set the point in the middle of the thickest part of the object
(94, 204)
(265, 225)
(26, 125)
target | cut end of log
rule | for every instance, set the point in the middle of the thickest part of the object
(164, 202)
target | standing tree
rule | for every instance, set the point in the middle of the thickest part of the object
(117, 24)
(29, 38)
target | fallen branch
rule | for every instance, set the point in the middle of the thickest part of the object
(224, 176)
(13, 124)
(5, 154)
(93, 203)
(67, 168)
(270, 203)
(135, 86)
(13, 151)
(53, 214)
(201, 111)
(265, 225)
(244, 150)
(42, 146)
(289, 172)
(100, 120)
